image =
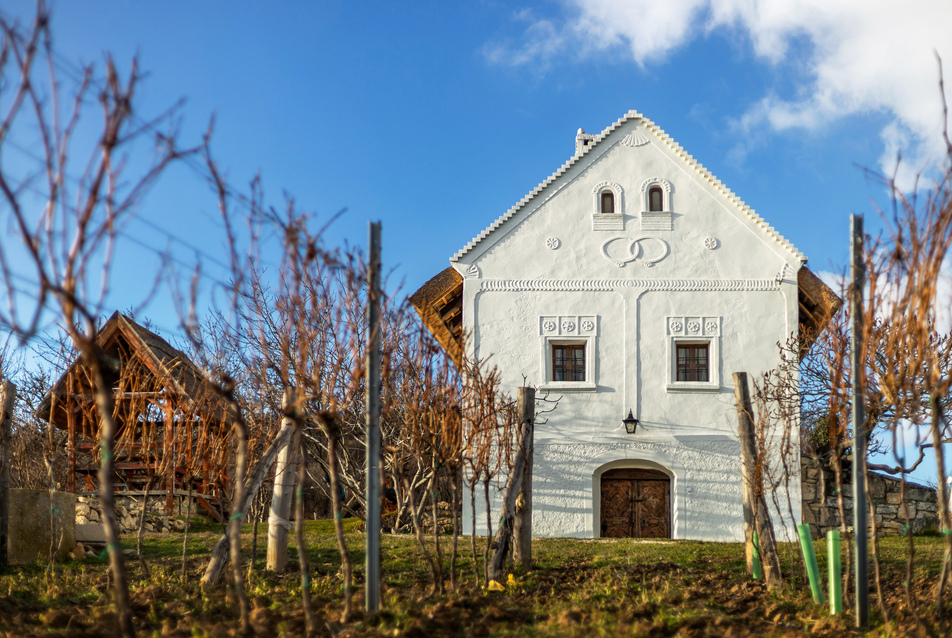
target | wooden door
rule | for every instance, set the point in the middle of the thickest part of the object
(635, 504)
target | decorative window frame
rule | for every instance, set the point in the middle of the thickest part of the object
(608, 221)
(656, 220)
(568, 330)
(694, 330)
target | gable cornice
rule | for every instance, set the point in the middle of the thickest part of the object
(677, 150)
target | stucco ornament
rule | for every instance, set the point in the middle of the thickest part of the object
(553, 243)
(568, 325)
(710, 243)
(473, 272)
(694, 326)
(635, 138)
(636, 252)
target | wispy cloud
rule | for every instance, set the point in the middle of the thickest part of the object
(861, 56)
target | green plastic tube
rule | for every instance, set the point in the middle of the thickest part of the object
(809, 558)
(758, 572)
(836, 583)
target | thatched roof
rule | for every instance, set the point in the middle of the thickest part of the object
(440, 304)
(170, 372)
(818, 303)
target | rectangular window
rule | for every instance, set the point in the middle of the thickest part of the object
(692, 362)
(568, 362)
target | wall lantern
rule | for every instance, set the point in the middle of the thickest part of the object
(631, 423)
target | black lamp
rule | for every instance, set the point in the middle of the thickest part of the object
(631, 423)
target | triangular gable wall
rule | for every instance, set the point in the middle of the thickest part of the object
(664, 141)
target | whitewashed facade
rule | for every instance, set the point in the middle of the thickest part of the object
(630, 283)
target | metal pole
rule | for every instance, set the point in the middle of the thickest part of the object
(860, 524)
(373, 420)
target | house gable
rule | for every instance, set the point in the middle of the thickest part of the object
(637, 134)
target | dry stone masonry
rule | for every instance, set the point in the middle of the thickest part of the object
(128, 513)
(884, 494)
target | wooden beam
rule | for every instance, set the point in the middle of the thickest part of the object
(70, 450)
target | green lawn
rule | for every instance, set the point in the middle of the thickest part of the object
(576, 587)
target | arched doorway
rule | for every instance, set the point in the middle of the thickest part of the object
(635, 503)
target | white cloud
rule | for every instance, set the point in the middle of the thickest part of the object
(861, 56)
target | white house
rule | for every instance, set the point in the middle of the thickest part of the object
(632, 280)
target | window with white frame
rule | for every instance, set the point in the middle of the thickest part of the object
(608, 207)
(694, 354)
(656, 205)
(568, 352)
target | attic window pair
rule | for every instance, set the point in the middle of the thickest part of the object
(655, 201)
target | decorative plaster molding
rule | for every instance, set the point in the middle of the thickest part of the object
(553, 243)
(694, 330)
(651, 181)
(635, 138)
(608, 221)
(635, 254)
(472, 272)
(611, 285)
(711, 243)
(782, 274)
(614, 222)
(654, 221)
(615, 188)
(568, 325)
(664, 141)
(687, 326)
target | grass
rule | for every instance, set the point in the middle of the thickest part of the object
(576, 587)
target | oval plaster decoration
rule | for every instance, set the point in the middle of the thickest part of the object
(711, 243)
(654, 251)
(553, 243)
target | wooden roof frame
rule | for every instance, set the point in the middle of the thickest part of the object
(181, 379)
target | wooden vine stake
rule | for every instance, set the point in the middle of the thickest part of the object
(504, 533)
(756, 516)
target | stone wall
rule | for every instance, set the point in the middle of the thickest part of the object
(38, 522)
(883, 493)
(129, 513)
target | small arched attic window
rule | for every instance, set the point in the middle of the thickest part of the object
(656, 212)
(609, 207)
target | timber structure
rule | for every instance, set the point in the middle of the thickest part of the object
(173, 427)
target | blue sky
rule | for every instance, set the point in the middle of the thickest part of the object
(436, 117)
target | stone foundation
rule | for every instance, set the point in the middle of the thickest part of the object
(129, 513)
(883, 493)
